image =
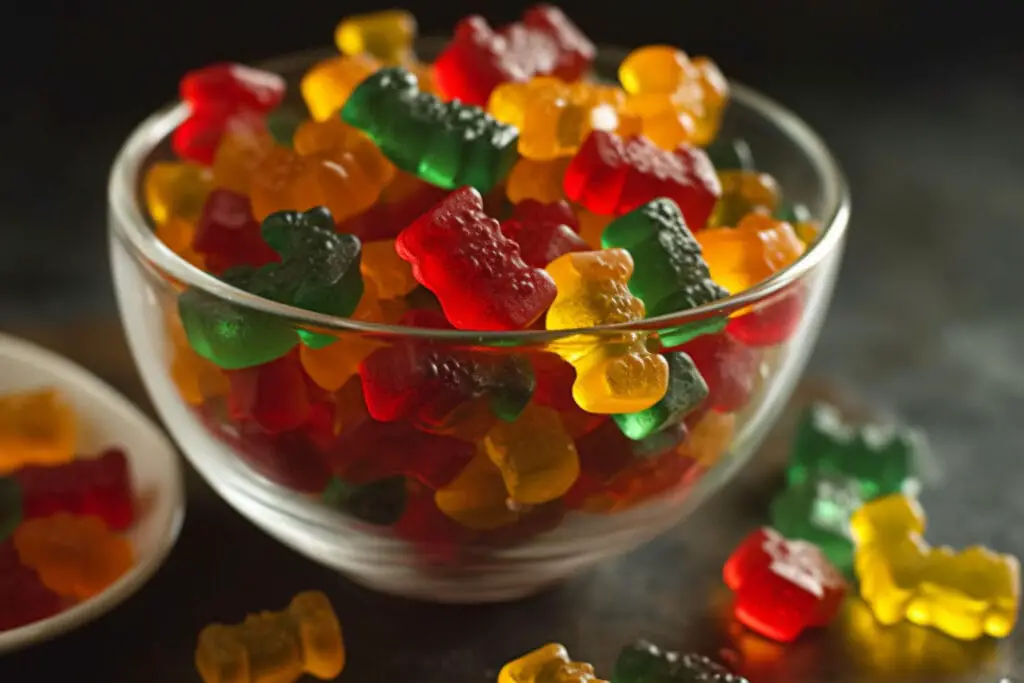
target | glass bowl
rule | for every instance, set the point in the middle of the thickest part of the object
(487, 547)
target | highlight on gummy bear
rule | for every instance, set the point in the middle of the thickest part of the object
(65, 515)
(469, 296)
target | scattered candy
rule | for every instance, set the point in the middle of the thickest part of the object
(548, 664)
(966, 594)
(643, 662)
(305, 638)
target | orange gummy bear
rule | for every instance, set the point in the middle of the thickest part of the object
(36, 428)
(74, 556)
(758, 247)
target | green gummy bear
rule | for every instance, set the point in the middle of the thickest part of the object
(819, 511)
(448, 144)
(231, 336)
(686, 390)
(731, 155)
(10, 506)
(882, 459)
(282, 124)
(379, 502)
(513, 388)
(642, 662)
(670, 274)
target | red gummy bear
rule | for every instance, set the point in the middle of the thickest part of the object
(219, 94)
(772, 322)
(478, 275)
(478, 59)
(385, 220)
(782, 587)
(23, 597)
(228, 235)
(728, 367)
(99, 486)
(426, 382)
(543, 231)
(375, 450)
(278, 396)
(610, 175)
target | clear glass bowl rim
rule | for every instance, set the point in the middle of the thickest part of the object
(131, 226)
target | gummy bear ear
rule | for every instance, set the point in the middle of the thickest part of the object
(320, 217)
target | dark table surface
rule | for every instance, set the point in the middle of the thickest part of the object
(925, 322)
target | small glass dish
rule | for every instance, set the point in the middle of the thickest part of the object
(276, 482)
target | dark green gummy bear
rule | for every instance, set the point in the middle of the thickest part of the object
(643, 662)
(235, 337)
(669, 274)
(10, 507)
(882, 459)
(513, 387)
(448, 144)
(686, 390)
(379, 502)
(319, 268)
(819, 511)
(731, 155)
(282, 124)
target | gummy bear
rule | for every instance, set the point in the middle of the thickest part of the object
(241, 150)
(74, 556)
(343, 144)
(282, 124)
(401, 202)
(537, 180)
(196, 378)
(478, 275)
(477, 497)
(176, 190)
(293, 459)
(346, 182)
(614, 175)
(535, 454)
(680, 100)
(547, 664)
(772, 320)
(386, 36)
(819, 511)
(733, 154)
(228, 235)
(729, 368)
(372, 451)
(275, 647)
(233, 337)
(327, 86)
(380, 502)
(686, 390)
(968, 594)
(757, 248)
(217, 95)
(710, 437)
(99, 486)
(427, 381)
(10, 507)
(781, 586)
(671, 274)
(543, 232)
(323, 264)
(554, 117)
(592, 226)
(744, 192)
(36, 428)
(24, 597)
(612, 376)
(644, 662)
(278, 396)
(448, 144)
(479, 59)
(881, 458)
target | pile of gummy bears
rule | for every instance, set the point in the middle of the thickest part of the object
(500, 189)
(61, 516)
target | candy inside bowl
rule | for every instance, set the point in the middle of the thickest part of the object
(354, 394)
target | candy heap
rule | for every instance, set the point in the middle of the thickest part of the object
(61, 516)
(851, 503)
(499, 189)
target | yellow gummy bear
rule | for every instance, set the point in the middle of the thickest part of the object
(385, 35)
(965, 594)
(615, 374)
(536, 456)
(477, 498)
(327, 85)
(548, 664)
